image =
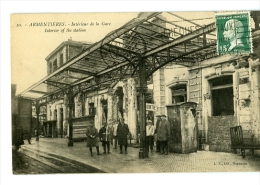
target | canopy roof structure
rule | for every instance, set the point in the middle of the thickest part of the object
(158, 38)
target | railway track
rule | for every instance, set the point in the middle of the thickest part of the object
(36, 162)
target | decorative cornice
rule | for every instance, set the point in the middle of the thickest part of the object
(174, 82)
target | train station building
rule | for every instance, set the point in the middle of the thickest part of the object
(147, 68)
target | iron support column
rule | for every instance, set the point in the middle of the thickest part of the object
(143, 153)
(37, 106)
(70, 103)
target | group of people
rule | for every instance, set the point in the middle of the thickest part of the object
(116, 134)
(161, 132)
(110, 133)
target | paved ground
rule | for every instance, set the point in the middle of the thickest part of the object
(201, 161)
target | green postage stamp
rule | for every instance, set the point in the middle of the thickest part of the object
(233, 33)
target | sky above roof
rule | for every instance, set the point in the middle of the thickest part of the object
(35, 36)
(40, 34)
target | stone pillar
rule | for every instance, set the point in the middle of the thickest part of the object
(48, 111)
(78, 104)
(114, 107)
(207, 109)
(87, 106)
(109, 107)
(98, 116)
(131, 108)
(206, 121)
(236, 93)
(255, 104)
(159, 91)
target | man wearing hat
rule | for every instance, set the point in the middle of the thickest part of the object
(163, 134)
(149, 135)
(158, 119)
(105, 135)
(92, 138)
(122, 132)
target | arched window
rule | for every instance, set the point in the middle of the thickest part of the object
(222, 95)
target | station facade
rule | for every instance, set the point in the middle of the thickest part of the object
(224, 88)
(226, 92)
(99, 105)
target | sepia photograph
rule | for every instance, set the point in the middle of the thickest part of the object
(135, 92)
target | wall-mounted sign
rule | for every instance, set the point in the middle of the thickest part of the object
(150, 107)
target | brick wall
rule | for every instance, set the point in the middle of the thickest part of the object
(218, 133)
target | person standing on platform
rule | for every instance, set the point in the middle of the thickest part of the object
(115, 139)
(163, 134)
(122, 132)
(105, 135)
(26, 135)
(158, 119)
(92, 138)
(149, 135)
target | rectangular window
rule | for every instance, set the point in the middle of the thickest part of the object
(92, 109)
(55, 65)
(179, 94)
(50, 67)
(222, 96)
(61, 59)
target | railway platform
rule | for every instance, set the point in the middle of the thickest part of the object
(201, 161)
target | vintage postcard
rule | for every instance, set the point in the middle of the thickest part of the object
(135, 92)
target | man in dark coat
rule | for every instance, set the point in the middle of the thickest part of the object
(158, 117)
(105, 135)
(163, 134)
(122, 132)
(92, 138)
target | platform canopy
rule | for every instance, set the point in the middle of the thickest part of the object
(157, 38)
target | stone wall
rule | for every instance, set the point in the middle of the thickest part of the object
(219, 134)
